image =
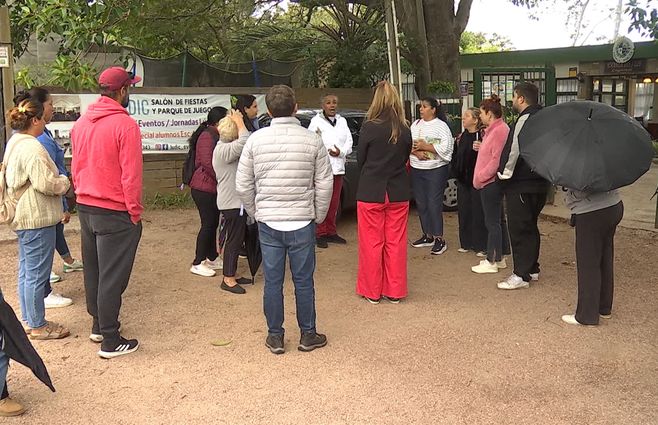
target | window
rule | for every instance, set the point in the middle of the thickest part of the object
(611, 91)
(567, 89)
(643, 98)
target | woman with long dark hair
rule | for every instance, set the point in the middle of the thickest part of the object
(56, 153)
(248, 107)
(383, 198)
(430, 159)
(204, 193)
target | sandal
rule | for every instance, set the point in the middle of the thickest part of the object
(52, 330)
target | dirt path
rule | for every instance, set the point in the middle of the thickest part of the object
(457, 351)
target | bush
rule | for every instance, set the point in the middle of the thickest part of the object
(655, 148)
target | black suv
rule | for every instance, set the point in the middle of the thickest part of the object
(355, 118)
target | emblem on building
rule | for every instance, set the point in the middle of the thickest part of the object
(623, 50)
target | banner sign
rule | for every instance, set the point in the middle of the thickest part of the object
(166, 121)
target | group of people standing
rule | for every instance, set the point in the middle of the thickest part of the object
(288, 179)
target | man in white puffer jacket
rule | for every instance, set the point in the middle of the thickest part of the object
(285, 181)
(337, 139)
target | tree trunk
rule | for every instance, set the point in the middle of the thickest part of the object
(438, 47)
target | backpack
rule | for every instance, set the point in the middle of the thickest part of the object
(189, 166)
(8, 203)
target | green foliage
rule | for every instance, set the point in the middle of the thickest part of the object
(655, 148)
(24, 79)
(441, 87)
(479, 42)
(167, 201)
(644, 18)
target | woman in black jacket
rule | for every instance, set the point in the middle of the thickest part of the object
(472, 231)
(383, 198)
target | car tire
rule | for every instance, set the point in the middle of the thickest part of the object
(450, 196)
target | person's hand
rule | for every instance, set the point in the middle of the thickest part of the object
(66, 217)
(419, 154)
(335, 151)
(476, 145)
(238, 119)
(422, 145)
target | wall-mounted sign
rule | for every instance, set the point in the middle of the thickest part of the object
(463, 89)
(4, 56)
(573, 71)
(631, 67)
(623, 50)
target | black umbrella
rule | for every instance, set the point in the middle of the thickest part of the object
(252, 246)
(16, 345)
(587, 146)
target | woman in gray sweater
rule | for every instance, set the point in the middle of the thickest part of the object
(595, 216)
(225, 163)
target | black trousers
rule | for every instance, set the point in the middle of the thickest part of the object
(522, 214)
(206, 240)
(109, 245)
(595, 257)
(472, 231)
(235, 225)
(492, 204)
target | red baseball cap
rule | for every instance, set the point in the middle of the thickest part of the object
(116, 77)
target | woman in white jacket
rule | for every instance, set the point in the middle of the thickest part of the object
(225, 163)
(337, 139)
(430, 158)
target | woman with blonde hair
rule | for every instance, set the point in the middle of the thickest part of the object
(383, 198)
(34, 182)
(472, 231)
(225, 163)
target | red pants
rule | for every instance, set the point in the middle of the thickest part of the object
(328, 226)
(382, 249)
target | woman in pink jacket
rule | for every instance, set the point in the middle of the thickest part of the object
(484, 180)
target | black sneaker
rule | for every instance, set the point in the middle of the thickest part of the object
(321, 242)
(335, 239)
(310, 341)
(372, 300)
(236, 289)
(423, 241)
(439, 247)
(275, 344)
(124, 346)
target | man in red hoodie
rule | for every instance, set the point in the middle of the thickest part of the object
(107, 175)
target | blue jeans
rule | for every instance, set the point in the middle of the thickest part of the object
(299, 246)
(36, 248)
(429, 187)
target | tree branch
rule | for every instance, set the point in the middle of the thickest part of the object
(463, 13)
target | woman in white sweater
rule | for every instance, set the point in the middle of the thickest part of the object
(34, 182)
(430, 159)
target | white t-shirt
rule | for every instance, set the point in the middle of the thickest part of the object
(438, 133)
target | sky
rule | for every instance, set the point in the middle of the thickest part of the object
(514, 22)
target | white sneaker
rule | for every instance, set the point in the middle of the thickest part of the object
(54, 278)
(502, 264)
(485, 267)
(571, 319)
(75, 266)
(534, 277)
(217, 264)
(202, 270)
(462, 250)
(513, 282)
(481, 254)
(56, 301)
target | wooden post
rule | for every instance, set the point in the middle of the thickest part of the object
(6, 75)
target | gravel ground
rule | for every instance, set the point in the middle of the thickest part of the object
(457, 351)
